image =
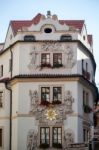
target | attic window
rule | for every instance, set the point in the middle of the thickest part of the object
(47, 30)
(29, 38)
(84, 37)
(66, 38)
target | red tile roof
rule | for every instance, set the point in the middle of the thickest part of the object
(78, 24)
(16, 25)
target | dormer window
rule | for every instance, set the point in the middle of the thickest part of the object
(29, 38)
(47, 30)
(66, 38)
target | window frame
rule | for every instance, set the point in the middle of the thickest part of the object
(57, 94)
(2, 138)
(44, 60)
(1, 99)
(45, 135)
(1, 71)
(56, 58)
(45, 94)
(57, 135)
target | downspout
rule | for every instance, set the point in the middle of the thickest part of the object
(10, 90)
(10, 129)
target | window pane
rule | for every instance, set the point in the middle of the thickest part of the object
(45, 58)
(45, 94)
(57, 58)
(57, 135)
(44, 135)
(57, 94)
(0, 137)
(1, 98)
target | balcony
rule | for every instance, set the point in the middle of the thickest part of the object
(86, 74)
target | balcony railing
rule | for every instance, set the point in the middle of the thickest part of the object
(86, 74)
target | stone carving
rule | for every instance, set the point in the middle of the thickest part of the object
(32, 140)
(33, 58)
(34, 100)
(68, 101)
(51, 46)
(40, 110)
(68, 137)
(70, 62)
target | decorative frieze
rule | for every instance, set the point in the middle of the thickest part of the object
(42, 112)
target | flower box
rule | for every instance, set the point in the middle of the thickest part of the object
(44, 146)
(57, 145)
(57, 65)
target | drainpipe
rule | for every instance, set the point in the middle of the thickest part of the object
(10, 138)
(10, 90)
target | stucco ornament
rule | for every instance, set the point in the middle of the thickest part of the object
(32, 140)
(68, 100)
(52, 114)
(33, 58)
(68, 137)
(70, 61)
(34, 100)
(51, 46)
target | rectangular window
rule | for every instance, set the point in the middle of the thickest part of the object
(85, 135)
(87, 98)
(0, 137)
(45, 59)
(1, 70)
(1, 99)
(10, 65)
(45, 94)
(86, 67)
(57, 59)
(44, 135)
(57, 135)
(84, 98)
(57, 94)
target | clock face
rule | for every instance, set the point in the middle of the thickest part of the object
(51, 114)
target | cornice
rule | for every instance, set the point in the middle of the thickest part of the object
(77, 41)
(54, 78)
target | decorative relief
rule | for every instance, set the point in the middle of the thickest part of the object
(58, 112)
(34, 100)
(68, 100)
(32, 140)
(51, 46)
(33, 58)
(70, 61)
(68, 137)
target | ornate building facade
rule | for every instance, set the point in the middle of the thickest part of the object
(47, 84)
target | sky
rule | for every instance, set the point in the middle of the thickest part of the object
(87, 10)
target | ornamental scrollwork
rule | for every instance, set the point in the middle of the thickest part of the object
(68, 101)
(33, 58)
(32, 138)
(51, 46)
(60, 110)
(68, 137)
(70, 61)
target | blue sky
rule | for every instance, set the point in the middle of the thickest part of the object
(65, 9)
